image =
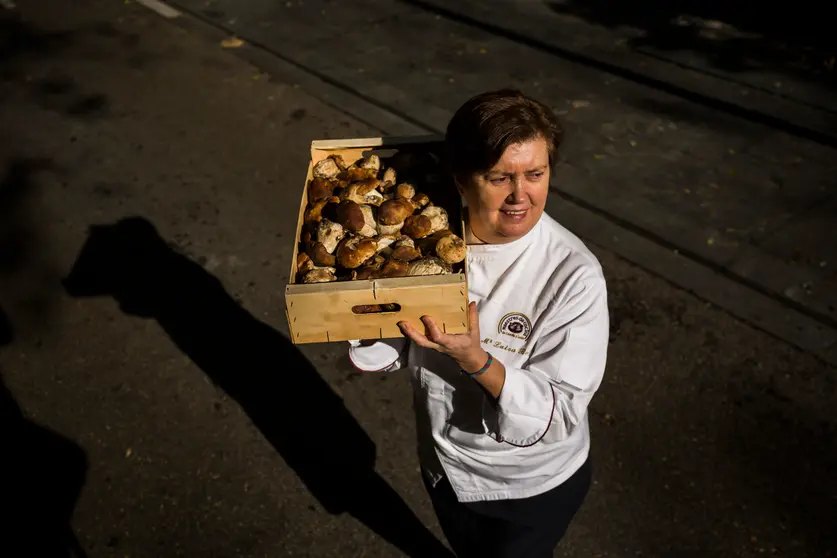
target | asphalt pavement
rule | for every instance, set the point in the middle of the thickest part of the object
(153, 406)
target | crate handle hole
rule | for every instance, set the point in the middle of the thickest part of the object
(376, 308)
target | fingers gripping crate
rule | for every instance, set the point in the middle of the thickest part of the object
(370, 308)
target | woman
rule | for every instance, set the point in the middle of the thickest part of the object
(502, 410)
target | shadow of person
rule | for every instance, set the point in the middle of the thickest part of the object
(278, 388)
(42, 474)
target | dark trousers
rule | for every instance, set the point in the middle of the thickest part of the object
(520, 528)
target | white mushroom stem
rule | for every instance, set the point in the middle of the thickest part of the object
(330, 234)
(429, 266)
(370, 228)
(390, 229)
(438, 218)
(385, 243)
(327, 168)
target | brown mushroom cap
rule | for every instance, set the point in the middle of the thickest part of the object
(451, 249)
(405, 254)
(315, 210)
(319, 255)
(394, 211)
(420, 200)
(309, 232)
(393, 268)
(405, 190)
(354, 174)
(303, 263)
(365, 273)
(428, 244)
(320, 189)
(350, 216)
(417, 226)
(354, 251)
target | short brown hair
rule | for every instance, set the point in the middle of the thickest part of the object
(488, 123)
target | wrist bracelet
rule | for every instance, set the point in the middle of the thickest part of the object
(482, 370)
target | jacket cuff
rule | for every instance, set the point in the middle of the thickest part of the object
(378, 357)
(523, 413)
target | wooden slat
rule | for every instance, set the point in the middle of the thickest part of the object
(388, 141)
(326, 316)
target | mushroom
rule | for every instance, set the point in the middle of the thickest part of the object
(327, 168)
(405, 190)
(451, 249)
(438, 217)
(303, 263)
(320, 189)
(404, 249)
(370, 228)
(371, 268)
(389, 175)
(393, 268)
(350, 216)
(385, 241)
(427, 245)
(309, 232)
(404, 240)
(354, 251)
(406, 253)
(354, 174)
(315, 211)
(320, 275)
(363, 192)
(371, 162)
(338, 159)
(394, 212)
(320, 255)
(417, 226)
(429, 266)
(420, 200)
(329, 234)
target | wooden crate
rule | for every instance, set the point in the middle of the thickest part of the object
(322, 312)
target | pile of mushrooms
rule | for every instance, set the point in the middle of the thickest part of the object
(361, 223)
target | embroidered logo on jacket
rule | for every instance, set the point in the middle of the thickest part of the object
(516, 325)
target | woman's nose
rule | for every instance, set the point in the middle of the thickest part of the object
(518, 193)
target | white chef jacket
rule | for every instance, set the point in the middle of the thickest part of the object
(542, 306)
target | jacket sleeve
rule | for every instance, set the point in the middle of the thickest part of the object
(548, 398)
(385, 355)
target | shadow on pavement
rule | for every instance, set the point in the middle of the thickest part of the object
(279, 389)
(732, 36)
(789, 453)
(721, 449)
(17, 230)
(41, 474)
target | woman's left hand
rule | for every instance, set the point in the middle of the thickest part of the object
(465, 348)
